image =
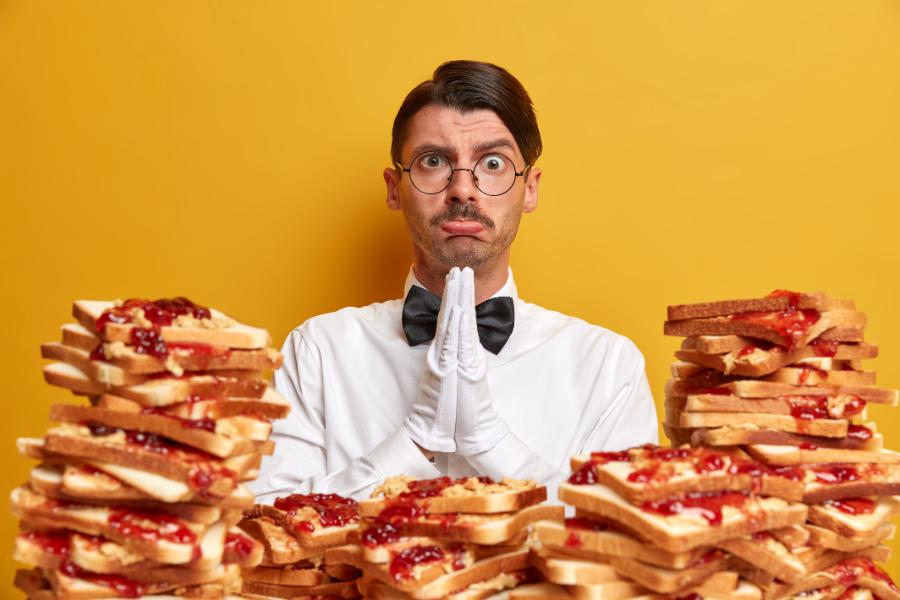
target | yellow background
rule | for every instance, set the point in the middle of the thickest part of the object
(232, 152)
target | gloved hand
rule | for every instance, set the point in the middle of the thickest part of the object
(432, 421)
(478, 426)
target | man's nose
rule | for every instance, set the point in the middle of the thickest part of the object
(462, 186)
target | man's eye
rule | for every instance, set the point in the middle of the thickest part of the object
(493, 162)
(433, 161)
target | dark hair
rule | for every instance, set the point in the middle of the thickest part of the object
(467, 85)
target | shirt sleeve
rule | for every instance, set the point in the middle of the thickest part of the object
(299, 463)
(630, 418)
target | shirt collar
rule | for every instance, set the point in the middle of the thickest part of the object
(508, 288)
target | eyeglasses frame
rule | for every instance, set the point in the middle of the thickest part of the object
(453, 170)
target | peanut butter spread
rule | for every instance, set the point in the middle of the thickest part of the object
(465, 487)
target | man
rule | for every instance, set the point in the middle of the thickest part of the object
(463, 377)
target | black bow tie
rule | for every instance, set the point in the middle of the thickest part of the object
(495, 319)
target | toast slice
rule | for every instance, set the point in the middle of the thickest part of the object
(490, 529)
(479, 495)
(854, 517)
(241, 549)
(826, 538)
(187, 323)
(721, 344)
(798, 455)
(654, 473)
(757, 360)
(798, 407)
(316, 520)
(831, 428)
(596, 540)
(160, 391)
(691, 521)
(567, 570)
(286, 576)
(841, 481)
(778, 300)
(715, 383)
(279, 547)
(791, 328)
(763, 550)
(857, 570)
(382, 553)
(862, 438)
(271, 406)
(229, 436)
(494, 587)
(185, 357)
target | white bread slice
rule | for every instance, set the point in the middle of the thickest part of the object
(856, 570)
(158, 392)
(182, 359)
(43, 512)
(836, 481)
(301, 515)
(792, 537)
(832, 407)
(286, 576)
(241, 549)
(405, 573)
(477, 529)
(221, 438)
(220, 330)
(689, 529)
(778, 300)
(573, 571)
(826, 538)
(748, 434)
(480, 495)
(280, 547)
(833, 428)
(272, 405)
(807, 326)
(756, 388)
(765, 552)
(385, 552)
(494, 588)
(720, 344)
(668, 472)
(854, 517)
(808, 376)
(599, 544)
(753, 361)
(332, 590)
(795, 455)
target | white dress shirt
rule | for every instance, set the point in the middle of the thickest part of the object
(564, 386)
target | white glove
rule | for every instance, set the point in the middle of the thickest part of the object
(432, 421)
(478, 426)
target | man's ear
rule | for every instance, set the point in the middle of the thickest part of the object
(531, 190)
(392, 181)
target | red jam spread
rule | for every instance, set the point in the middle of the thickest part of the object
(586, 524)
(790, 324)
(57, 543)
(709, 506)
(161, 313)
(573, 540)
(807, 446)
(149, 341)
(708, 557)
(859, 432)
(379, 535)
(824, 348)
(835, 473)
(406, 560)
(762, 536)
(333, 510)
(429, 488)
(401, 512)
(124, 587)
(584, 475)
(853, 506)
(205, 423)
(238, 545)
(793, 298)
(806, 371)
(151, 526)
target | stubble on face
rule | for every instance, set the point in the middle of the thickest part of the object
(462, 251)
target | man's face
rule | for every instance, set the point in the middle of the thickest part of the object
(461, 226)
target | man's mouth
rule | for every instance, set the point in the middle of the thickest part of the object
(462, 227)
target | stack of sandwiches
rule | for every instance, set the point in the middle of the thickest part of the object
(460, 538)
(655, 522)
(295, 533)
(780, 379)
(138, 491)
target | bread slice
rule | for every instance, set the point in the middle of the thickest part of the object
(316, 520)
(809, 376)
(722, 344)
(714, 518)
(180, 358)
(494, 588)
(241, 549)
(839, 481)
(381, 553)
(832, 428)
(766, 552)
(201, 472)
(863, 438)
(225, 437)
(779, 300)
(854, 517)
(331, 590)
(286, 576)
(826, 538)
(856, 570)
(160, 391)
(216, 330)
(755, 388)
(271, 405)
(596, 540)
(279, 546)
(801, 407)
(752, 360)
(796, 455)
(656, 473)
(565, 570)
(474, 528)
(791, 329)
(480, 495)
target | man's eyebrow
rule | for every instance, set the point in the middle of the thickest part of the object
(498, 143)
(482, 147)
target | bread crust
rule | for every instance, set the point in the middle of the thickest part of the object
(501, 502)
(816, 300)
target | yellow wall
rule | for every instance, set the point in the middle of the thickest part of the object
(231, 152)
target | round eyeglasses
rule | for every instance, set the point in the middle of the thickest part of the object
(431, 173)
